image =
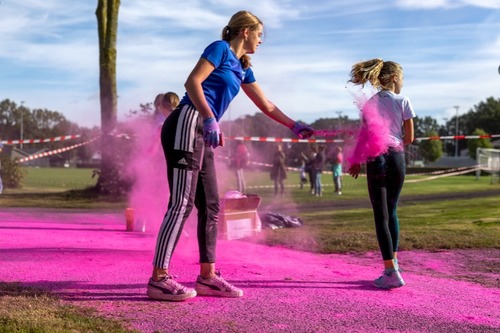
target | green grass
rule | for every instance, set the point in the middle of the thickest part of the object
(429, 225)
(58, 188)
(356, 188)
(25, 309)
(55, 179)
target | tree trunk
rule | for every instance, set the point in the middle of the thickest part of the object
(107, 23)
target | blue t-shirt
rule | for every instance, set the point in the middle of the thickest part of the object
(223, 84)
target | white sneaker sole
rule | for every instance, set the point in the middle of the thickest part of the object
(391, 286)
(207, 291)
(157, 294)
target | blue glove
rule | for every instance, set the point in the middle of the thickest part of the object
(302, 131)
(211, 132)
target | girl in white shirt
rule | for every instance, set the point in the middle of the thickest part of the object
(387, 128)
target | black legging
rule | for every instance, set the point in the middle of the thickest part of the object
(192, 181)
(385, 175)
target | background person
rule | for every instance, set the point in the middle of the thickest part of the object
(147, 165)
(337, 169)
(392, 114)
(278, 171)
(302, 173)
(164, 105)
(158, 116)
(309, 166)
(169, 101)
(318, 165)
(239, 161)
(189, 135)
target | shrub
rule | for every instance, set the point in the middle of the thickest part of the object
(11, 172)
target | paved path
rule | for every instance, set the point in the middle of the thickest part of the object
(89, 259)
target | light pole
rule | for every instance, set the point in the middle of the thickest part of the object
(446, 128)
(22, 124)
(456, 131)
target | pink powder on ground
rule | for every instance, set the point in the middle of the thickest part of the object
(89, 260)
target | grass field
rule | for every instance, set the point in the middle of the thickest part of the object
(57, 188)
(428, 224)
(55, 179)
(24, 309)
(356, 188)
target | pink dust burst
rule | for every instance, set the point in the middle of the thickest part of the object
(147, 167)
(372, 138)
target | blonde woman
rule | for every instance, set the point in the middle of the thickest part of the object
(388, 123)
(164, 104)
(189, 135)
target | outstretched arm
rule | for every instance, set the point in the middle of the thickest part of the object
(256, 95)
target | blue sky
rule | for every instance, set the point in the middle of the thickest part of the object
(449, 49)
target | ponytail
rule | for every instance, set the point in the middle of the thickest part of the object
(376, 71)
(367, 71)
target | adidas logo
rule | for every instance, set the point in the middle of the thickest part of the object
(182, 161)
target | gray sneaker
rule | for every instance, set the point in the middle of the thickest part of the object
(390, 278)
(216, 286)
(169, 290)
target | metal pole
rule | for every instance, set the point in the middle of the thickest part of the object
(447, 133)
(22, 125)
(456, 132)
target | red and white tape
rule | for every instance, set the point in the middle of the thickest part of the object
(57, 138)
(272, 139)
(53, 152)
(459, 137)
(330, 133)
(320, 133)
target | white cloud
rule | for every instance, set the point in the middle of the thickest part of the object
(433, 4)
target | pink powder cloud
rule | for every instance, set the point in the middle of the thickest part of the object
(372, 138)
